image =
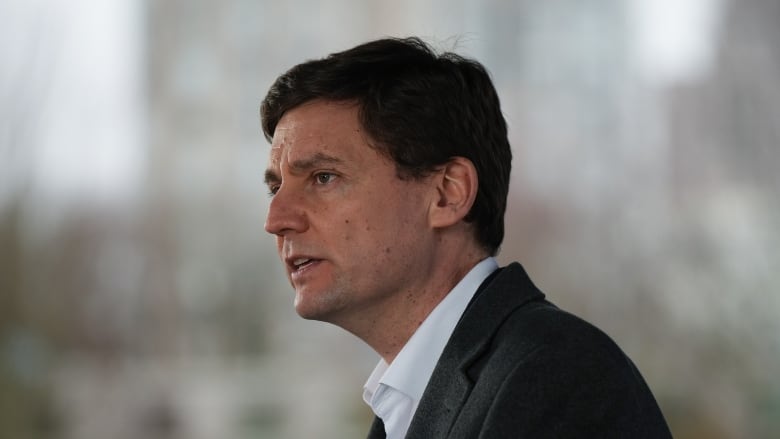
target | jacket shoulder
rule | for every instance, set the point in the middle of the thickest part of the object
(547, 372)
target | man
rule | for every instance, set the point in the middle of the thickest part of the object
(389, 171)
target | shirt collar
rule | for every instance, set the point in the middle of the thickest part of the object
(412, 368)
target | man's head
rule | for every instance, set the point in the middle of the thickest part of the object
(417, 108)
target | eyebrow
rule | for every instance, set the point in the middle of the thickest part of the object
(300, 166)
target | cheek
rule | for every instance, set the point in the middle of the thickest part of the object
(381, 226)
(361, 233)
(348, 223)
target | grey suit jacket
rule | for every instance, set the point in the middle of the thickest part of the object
(518, 367)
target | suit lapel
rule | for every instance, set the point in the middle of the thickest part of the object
(377, 429)
(450, 385)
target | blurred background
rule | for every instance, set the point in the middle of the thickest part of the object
(140, 296)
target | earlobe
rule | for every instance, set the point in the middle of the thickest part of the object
(456, 185)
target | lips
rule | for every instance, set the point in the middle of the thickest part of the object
(300, 263)
(297, 264)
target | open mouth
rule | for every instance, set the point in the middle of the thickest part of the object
(300, 264)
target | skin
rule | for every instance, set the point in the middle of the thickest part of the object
(364, 249)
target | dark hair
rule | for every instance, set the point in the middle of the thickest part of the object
(420, 107)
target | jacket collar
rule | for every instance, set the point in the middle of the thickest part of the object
(450, 384)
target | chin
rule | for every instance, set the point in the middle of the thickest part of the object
(308, 310)
(316, 310)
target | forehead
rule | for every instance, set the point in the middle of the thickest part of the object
(322, 127)
(317, 122)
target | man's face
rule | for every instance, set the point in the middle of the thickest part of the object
(354, 238)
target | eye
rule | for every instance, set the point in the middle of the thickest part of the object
(324, 177)
(273, 189)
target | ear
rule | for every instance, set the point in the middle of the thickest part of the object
(456, 190)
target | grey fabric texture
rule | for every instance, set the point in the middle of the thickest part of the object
(516, 366)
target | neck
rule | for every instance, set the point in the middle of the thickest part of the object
(390, 325)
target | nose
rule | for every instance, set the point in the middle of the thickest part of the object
(286, 214)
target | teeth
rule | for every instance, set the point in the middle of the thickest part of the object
(300, 261)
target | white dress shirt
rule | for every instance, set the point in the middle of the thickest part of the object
(394, 390)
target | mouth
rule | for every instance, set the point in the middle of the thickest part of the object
(297, 265)
(301, 263)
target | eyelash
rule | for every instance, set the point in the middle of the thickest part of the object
(317, 177)
(272, 190)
